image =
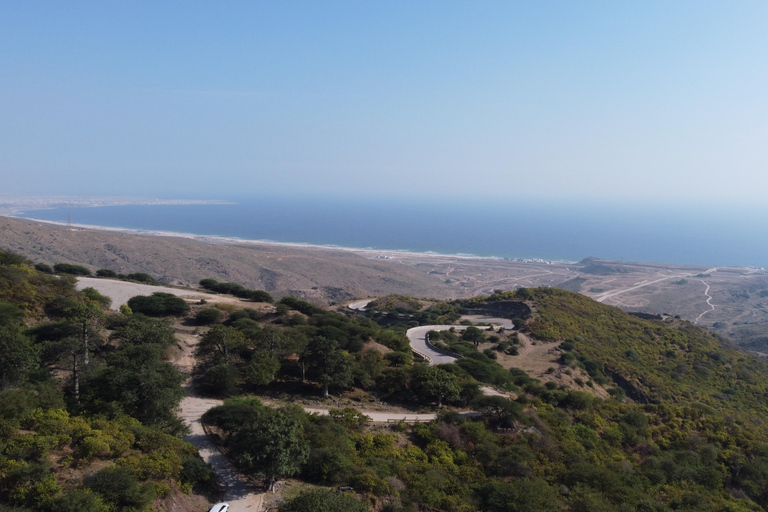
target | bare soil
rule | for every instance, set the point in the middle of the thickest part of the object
(739, 295)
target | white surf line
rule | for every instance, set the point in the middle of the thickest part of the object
(619, 292)
(709, 302)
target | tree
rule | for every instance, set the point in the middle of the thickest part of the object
(84, 314)
(18, 356)
(272, 446)
(500, 409)
(327, 363)
(92, 294)
(262, 368)
(435, 383)
(473, 334)
(223, 340)
(271, 341)
(139, 330)
(323, 500)
(137, 381)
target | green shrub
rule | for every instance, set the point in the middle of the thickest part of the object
(159, 304)
(119, 487)
(66, 268)
(208, 316)
(323, 500)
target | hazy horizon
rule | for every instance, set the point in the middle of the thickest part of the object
(560, 101)
(511, 229)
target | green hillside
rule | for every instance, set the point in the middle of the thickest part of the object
(87, 401)
(681, 430)
(86, 412)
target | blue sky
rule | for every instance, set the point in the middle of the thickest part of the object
(552, 100)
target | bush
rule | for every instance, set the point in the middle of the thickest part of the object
(208, 316)
(195, 472)
(105, 272)
(141, 277)
(78, 500)
(159, 304)
(119, 487)
(10, 314)
(66, 268)
(236, 290)
(11, 258)
(322, 500)
(45, 269)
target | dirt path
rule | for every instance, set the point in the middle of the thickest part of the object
(709, 303)
(240, 492)
(121, 291)
(608, 295)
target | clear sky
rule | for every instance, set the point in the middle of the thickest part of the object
(557, 99)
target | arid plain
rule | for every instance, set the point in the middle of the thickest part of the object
(733, 301)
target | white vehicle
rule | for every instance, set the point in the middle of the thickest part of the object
(220, 507)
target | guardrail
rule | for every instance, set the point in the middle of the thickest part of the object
(421, 354)
(441, 350)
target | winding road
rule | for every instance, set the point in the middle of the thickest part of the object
(240, 492)
(709, 303)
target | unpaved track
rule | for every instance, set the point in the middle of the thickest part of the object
(709, 302)
(608, 295)
(121, 291)
(241, 494)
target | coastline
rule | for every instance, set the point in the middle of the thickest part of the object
(386, 254)
(15, 206)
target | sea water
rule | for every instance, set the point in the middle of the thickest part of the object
(512, 228)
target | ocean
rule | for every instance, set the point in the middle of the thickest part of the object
(504, 229)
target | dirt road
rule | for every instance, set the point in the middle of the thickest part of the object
(241, 493)
(121, 291)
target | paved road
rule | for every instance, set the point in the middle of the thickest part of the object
(360, 305)
(417, 336)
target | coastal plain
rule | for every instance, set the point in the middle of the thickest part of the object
(733, 301)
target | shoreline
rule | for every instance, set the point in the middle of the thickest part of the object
(384, 254)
